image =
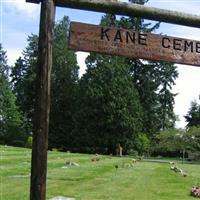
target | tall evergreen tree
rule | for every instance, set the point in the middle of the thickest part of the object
(193, 115)
(4, 68)
(64, 86)
(23, 78)
(108, 109)
(64, 82)
(153, 81)
(11, 121)
(167, 77)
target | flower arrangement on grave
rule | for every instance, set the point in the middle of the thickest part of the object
(195, 191)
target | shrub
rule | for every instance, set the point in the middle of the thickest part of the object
(17, 143)
(133, 153)
(29, 142)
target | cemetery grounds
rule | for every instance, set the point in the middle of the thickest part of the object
(91, 177)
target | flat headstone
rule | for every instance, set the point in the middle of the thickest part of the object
(64, 167)
(62, 198)
(69, 163)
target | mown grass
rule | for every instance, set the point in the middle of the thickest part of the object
(95, 180)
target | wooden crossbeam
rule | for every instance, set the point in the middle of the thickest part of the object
(33, 1)
(133, 10)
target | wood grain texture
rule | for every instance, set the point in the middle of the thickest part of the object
(112, 41)
(129, 9)
(42, 108)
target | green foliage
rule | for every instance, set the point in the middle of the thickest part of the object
(108, 110)
(23, 78)
(193, 138)
(142, 144)
(171, 140)
(193, 115)
(105, 115)
(29, 142)
(153, 80)
(176, 140)
(55, 149)
(165, 75)
(115, 100)
(64, 87)
(4, 68)
(11, 120)
(132, 152)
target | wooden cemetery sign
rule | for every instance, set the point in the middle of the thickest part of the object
(132, 44)
(99, 39)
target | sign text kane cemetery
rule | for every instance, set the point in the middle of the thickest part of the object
(132, 44)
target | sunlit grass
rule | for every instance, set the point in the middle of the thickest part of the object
(95, 180)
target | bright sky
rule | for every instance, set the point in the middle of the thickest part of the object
(19, 19)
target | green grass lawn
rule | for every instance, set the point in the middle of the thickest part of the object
(95, 180)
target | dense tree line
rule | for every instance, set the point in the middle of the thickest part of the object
(117, 100)
(123, 98)
(12, 130)
(64, 85)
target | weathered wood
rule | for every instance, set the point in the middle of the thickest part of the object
(41, 122)
(33, 1)
(133, 10)
(112, 41)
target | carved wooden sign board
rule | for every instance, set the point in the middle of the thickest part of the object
(132, 44)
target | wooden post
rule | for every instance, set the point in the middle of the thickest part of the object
(41, 122)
